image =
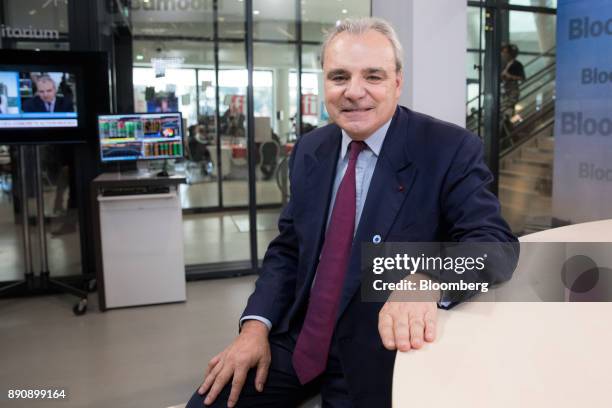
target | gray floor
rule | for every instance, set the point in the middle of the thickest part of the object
(150, 356)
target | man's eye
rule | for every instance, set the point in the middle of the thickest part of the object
(338, 78)
(374, 78)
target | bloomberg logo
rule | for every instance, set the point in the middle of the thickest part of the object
(574, 123)
(586, 28)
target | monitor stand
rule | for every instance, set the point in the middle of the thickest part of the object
(164, 171)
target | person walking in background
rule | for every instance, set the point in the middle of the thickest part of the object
(511, 76)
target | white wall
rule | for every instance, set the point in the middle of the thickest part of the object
(434, 36)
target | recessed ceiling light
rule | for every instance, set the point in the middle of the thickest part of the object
(139, 57)
(344, 11)
(221, 19)
(32, 12)
(256, 12)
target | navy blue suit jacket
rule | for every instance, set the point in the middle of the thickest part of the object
(36, 104)
(444, 198)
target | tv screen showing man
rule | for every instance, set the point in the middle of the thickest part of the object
(34, 99)
(46, 98)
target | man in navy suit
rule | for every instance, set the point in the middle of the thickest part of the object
(46, 99)
(380, 173)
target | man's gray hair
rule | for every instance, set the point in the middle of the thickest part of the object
(359, 26)
(46, 78)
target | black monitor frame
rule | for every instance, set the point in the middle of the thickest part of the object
(92, 90)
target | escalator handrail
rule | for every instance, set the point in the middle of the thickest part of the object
(545, 126)
(525, 83)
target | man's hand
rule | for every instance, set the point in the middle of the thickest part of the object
(405, 324)
(251, 348)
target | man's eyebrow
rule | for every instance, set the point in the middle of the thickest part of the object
(335, 72)
(375, 70)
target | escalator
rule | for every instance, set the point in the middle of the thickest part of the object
(526, 148)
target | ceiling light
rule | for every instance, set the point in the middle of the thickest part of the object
(256, 12)
(338, 22)
(221, 19)
(139, 57)
(32, 12)
(344, 11)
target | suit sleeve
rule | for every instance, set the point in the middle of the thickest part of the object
(472, 215)
(275, 288)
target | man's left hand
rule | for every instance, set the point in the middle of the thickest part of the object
(405, 325)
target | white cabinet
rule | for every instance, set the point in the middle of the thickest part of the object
(142, 249)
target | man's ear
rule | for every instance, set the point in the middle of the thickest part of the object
(399, 81)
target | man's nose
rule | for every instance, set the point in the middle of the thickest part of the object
(355, 89)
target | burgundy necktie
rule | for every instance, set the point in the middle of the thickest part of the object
(313, 343)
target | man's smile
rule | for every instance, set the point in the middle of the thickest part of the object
(349, 110)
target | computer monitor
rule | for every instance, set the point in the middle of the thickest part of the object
(140, 136)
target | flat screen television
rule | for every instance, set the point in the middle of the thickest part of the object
(51, 96)
(38, 99)
(140, 136)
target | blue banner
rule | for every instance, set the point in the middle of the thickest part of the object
(582, 186)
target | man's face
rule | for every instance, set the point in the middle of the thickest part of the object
(46, 91)
(362, 86)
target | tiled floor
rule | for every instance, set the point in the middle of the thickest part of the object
(151, 356)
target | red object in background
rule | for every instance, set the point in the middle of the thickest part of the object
(309, 104)
(237, 104)
(239, 152)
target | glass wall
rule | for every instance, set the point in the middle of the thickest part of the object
(524, 135)
(195, 61)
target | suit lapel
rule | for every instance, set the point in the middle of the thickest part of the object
(391, 183)
(320, 175)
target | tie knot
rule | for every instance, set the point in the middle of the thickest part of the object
(355, 148)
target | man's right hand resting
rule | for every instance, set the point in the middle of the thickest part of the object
(250, 349)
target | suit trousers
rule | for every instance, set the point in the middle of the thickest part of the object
(282, 388)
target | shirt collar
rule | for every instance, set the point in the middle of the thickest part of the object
(374, 141)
